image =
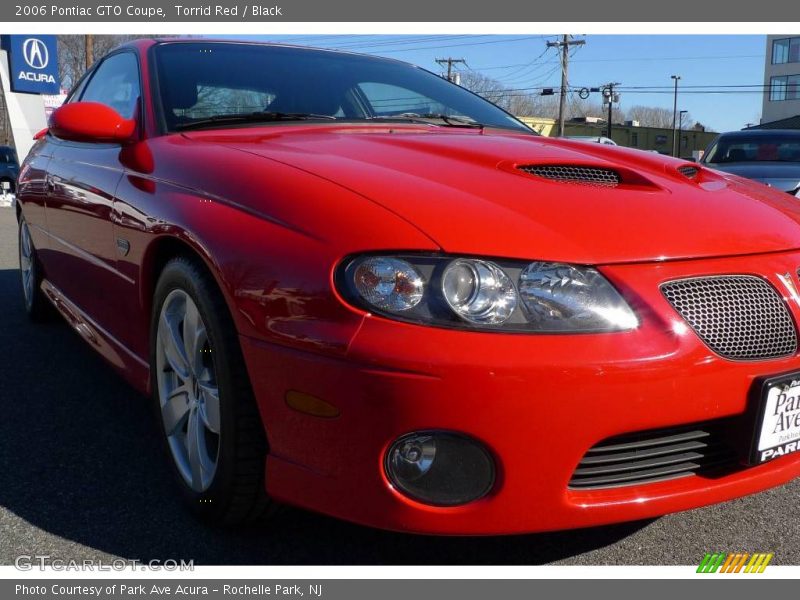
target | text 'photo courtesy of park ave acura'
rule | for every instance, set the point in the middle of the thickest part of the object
(400, 299)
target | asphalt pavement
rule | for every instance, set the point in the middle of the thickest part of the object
(82, 477)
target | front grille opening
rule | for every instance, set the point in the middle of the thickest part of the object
(656, 455)
(575, 174)
(740, 317)
(688, 171)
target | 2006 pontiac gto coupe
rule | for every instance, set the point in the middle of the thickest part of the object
(352, 286)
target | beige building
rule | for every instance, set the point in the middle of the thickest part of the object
(629, 135)
(781, 78)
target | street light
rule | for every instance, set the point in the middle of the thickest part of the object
(675, 115)
(680, 130)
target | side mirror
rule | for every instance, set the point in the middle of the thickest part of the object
(91, 122)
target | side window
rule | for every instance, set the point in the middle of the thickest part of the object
(116, 84)
(76, 93)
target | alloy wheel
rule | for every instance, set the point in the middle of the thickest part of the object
(27, 263)
(187, 390)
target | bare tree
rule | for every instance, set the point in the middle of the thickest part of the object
(521, 104)
(486, 87)
(655, 116)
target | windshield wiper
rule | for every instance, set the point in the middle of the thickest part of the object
(449, 120)
(254, 117)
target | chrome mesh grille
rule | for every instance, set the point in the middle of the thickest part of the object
(575, 174)
(688, 171)
(738, 316)
(655, 455)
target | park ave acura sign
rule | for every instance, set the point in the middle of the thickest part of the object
(33, 63)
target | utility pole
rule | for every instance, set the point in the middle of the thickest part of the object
(450, 61)
(680, 130)
(608, 94)
(89, 47)
(564, 44)
(675, 117)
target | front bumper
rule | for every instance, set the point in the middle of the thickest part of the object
(537, 402)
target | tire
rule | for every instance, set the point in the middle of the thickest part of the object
(217, 454)
(37, 307)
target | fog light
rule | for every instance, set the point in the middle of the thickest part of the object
(440, 468)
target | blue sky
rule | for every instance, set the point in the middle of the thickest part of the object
(520, 61)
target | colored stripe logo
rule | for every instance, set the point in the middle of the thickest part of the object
(738, 562)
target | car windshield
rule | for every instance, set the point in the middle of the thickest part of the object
(212, 84)
(760, 148)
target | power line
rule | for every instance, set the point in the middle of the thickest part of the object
(503, 41)
(709, 89)
(636, 59)
(642, 58)
(401, 42)
(705, 85)
(534, 68)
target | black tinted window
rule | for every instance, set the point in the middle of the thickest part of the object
(7, 155)
(204, 80)
(116, 84)
(738, 148)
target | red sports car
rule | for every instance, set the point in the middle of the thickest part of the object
(352, 286)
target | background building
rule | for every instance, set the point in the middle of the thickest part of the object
(781, 78)
(629, 134)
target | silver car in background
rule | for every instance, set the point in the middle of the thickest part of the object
(771, 156)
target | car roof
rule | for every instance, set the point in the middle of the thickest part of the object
(749, 133)
(144, 43)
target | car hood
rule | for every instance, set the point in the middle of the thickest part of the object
(465, 190)
(781, 176)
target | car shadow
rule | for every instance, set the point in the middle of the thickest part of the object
(80, 460)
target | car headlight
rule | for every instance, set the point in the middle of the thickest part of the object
(481, 294)
(389, 283)
(479, 291)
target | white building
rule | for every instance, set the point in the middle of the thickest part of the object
(781, 78)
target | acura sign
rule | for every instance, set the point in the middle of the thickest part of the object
(35, 53)
(33, 63)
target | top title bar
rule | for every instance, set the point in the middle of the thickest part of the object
(406, 11)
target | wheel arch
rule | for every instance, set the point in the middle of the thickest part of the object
(158, 253)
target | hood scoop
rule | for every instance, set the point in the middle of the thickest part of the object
(688, 171)
(575, 174)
